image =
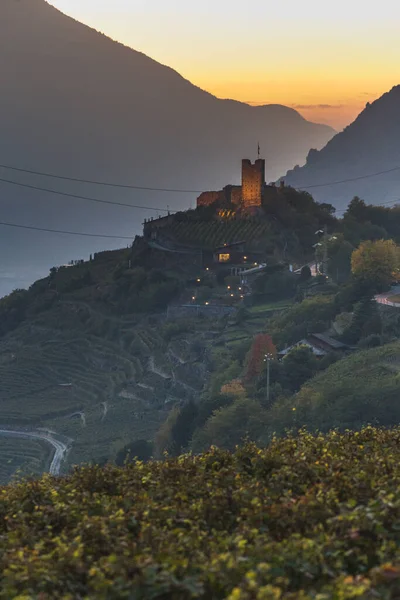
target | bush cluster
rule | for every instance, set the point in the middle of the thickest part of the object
(310, 517)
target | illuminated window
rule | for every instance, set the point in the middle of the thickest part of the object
(224, 257)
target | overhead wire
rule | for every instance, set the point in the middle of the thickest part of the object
(101, 183)
(177, 190)
(135, 187)
(79, 197)
(96, 235)
(316, 185)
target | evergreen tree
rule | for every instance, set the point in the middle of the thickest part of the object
(299, 365)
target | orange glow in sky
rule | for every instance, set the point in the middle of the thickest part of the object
(326, 60)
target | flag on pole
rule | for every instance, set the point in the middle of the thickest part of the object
(258, 150)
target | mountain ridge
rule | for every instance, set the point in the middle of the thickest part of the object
(76, 103)
(367, 146)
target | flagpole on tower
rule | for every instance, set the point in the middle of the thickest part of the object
(258, 149)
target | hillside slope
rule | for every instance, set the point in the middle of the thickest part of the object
(369, 145)
(76, 103)
(89, 354)
(358, 390)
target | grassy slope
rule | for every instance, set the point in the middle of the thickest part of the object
(308, 517)
(362, 388)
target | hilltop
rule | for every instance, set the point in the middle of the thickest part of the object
(102, 351)
(101, 111)
(369, 145)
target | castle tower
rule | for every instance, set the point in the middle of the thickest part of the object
(253, 182)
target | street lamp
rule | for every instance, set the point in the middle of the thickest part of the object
(267, 359)
(324, 233)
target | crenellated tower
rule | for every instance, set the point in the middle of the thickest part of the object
(253, 182)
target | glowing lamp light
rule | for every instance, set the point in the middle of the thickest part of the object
(245, 257)
(229, 287)
(198, 280)
(232, 295)
(193, 297)
(207, 269)
(207, 303)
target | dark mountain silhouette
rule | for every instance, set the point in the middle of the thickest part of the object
(369, 145)
(76, 103)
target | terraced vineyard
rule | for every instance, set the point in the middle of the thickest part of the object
(211, 234)
(101, 386)
(22, 457)
(85, 370)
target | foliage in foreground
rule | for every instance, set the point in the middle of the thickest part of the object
(309, 517)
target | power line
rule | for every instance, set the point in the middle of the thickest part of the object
(350, 179)
(103, 183)
(116, 237)
(385, 204)
(157, 209)
(89, 198)
(176, 190)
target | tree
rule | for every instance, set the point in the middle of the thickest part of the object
(339, 263)
(357, 209)
(305, 274)
(376, 263)
(234, 388)
(140, 449)
(229, 426)
(366, 321)
(261, 346)
(299, 365)
(183, 427)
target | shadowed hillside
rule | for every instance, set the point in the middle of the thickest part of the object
(76, 103)
(369, 145)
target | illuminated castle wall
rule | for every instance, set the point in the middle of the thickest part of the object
(249, 194)
(253, 182)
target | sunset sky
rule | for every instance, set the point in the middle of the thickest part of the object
(324, 59)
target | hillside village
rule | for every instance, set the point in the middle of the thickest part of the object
(135, 350)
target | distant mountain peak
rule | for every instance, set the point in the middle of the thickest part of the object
(368, 145)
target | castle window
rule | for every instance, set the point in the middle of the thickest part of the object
(224, 257)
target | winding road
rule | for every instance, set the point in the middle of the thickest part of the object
(60, 448)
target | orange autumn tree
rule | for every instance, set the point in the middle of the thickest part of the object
(234, 388)
(261, 346)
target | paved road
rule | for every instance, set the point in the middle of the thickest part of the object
(385, 298)
(60, 448)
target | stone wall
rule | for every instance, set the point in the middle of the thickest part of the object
(253, 182)
(207, 198)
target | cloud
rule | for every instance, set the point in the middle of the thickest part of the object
(301, 106)
(317, 106)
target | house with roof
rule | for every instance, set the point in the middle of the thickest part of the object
(321, 344)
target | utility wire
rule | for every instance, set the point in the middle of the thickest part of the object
(385, 204)
(89, 198)
(137, 187)
(92, 182)
(119, 237)
(350, 179)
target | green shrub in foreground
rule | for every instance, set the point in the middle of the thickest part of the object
(307, 518)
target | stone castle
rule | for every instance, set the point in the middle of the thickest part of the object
(253, 192)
